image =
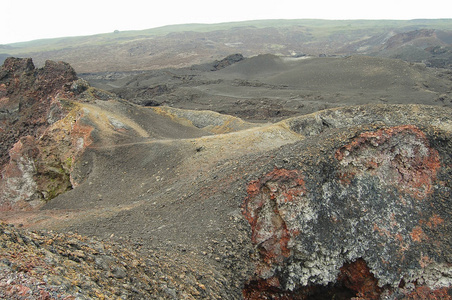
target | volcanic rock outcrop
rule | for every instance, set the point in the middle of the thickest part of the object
(350, 202)
(366, 210)
(40, 132)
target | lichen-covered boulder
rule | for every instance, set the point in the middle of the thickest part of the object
(361, 209)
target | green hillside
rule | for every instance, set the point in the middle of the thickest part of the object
(184, 45)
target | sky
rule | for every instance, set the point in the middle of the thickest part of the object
(25, 20)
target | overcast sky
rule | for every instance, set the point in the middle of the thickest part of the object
(24, 20)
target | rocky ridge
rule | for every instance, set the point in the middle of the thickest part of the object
(39, 130)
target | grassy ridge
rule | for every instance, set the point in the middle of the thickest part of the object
(318, 29)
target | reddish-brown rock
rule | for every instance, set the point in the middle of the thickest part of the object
(362, 212)
(41, 133)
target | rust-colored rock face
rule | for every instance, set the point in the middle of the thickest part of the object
(426, 293)
(399, 156)
(41, 133)
(273, 204)
(357, 277)
(29, 99)
(18, 176)
(369, 219)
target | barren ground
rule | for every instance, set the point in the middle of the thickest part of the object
(175, 180)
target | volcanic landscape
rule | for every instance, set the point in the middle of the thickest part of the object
(246, 176)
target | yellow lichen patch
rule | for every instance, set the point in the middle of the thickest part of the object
(104, 120)
(209, 121)
(167, 112)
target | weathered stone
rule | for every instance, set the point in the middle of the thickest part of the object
(227, 61)
(370, 214)
(41, 131)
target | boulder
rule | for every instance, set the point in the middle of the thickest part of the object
(360, 207)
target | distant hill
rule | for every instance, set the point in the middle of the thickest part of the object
(428, 41)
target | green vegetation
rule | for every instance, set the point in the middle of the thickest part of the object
(68, 163)
(317, 28)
